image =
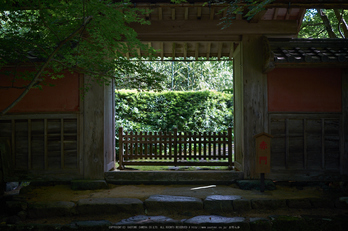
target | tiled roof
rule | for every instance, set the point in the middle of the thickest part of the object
(309, 50)
(305, 52)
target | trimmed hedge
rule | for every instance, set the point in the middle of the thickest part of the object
(195, 111)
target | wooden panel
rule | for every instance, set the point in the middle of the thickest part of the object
(277, 126)
(314, 149)
(332, 144)
(307, 142)
(37, 144)
(344, 134)
(278, 153)
(21, 141)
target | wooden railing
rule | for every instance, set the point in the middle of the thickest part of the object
(175, 149)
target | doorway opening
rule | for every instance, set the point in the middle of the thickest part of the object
(196, 106)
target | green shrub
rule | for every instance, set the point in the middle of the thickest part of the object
(189, 111)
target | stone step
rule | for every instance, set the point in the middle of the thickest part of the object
(156, 204)
(173, 177)
(110, 206)
(173, 204)
(204, 222)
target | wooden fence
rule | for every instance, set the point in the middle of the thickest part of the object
(175, 149)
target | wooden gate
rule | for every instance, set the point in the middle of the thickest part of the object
(175, 149)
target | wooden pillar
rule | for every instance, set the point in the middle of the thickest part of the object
(254, 99)
(98, 130)
(238, 108)
(344, 146)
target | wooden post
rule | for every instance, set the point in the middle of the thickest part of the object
(262, 183)
(175, 141)
(230, 148)
(29, 145)
(120, 151)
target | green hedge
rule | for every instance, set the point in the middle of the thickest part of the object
(195, 111)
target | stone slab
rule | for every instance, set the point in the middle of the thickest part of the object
(14, 207)
(241, 205)
(255, 184)
(288, 223)
(100, 225)
(172, 203)
(299, 203)
(147, 220)
(110, 206)
(260, 224)
(268, 204)
(44, 209)
(220, 203)
(238, 223)
(88, 184)
(322, 203)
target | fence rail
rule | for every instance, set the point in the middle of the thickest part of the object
(175, 148)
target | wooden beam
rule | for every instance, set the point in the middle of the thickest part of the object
(182, 30)
(160, 13)
(208, 50)
(302, 13)
(186, 13)
(212, 13)
(275, 13)
(310, 5)
(147, 14)
(45, 144)
(162, 49)
(185, 51)
(305, 155)
(173, 51)
(199, 13)
(196, 51)
(224, 13)
(149, 45)
(173, 13)
(29, 145)
(288, 13)
(323, 143)
(287, 145)
(219, 50)
(13, 142)
(231, 50)
(62, 144)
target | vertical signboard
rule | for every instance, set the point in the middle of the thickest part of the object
(263, 153)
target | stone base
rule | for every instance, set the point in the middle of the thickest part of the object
(88, 184)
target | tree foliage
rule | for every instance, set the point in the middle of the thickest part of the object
(324, 23)
(198, 111)
(191, 75)
(88, 36)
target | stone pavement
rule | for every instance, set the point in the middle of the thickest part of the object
(177, 212)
